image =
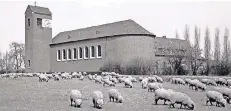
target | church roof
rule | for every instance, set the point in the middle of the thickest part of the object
(171, 43)
(126, 27)
(39, 10)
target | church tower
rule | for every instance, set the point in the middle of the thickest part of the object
(38, 36)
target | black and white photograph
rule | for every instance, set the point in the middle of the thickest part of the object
(115, 55)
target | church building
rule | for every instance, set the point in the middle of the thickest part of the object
(88, 49)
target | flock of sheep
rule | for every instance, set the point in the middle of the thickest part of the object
(221, 93)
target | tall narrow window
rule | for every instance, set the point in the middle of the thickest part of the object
(39, 22)
(58, 55)
(64, 55)
(74, 54)
(28, 22)
(69, 54)
(80, 53)
(28, 63)
(99, 53)
(92, 50)
(86, 52)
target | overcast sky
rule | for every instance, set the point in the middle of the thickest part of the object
(160, 18)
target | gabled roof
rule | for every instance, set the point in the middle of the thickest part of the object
(171, 43)
(38, 10)
(125, 27)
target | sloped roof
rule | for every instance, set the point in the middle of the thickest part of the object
(171, 43)
(110, 29)
(39, 10)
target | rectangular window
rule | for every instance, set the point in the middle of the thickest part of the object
(28, 63)
(92, 50)
(28, 22)
(74, 54)
(69, 54)
(64, 55)
(58, 55)
(99, 53)
(86, 52)
(80, 53)
(39, 22)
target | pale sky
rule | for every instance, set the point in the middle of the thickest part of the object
(160, 18)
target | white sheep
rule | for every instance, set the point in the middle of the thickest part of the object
(158, 78)
(108, 82)
(114, 80)
(81, 77)
(215, 96)
(229, 82)
(43, 77)
(144, 83)
(181, 98)
(98, 79)
(115, 95)
(226, 92)
(154, 86)
(163, 94)
(97, 99)
(187, 80)
(76, 97)
(128, 83)
(56, 77)
(211, 82)
(90, 77)
(221, 81)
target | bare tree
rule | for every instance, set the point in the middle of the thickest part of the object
(175, 63)
(177, 35)
(186, 33)
(207, 49)
(16, 54)
(217, 45)
(195, 59)
(2, 62)
(225, 53)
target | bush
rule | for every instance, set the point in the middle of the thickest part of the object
(134, 67)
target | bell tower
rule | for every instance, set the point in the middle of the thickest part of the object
(38, 36)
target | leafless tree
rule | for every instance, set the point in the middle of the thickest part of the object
(195, 58)
(217, 45)
(16, 54)
(207, 49)
(175, 63)
(225, 53)
(186, 33)
(177, 35)
(2, 62)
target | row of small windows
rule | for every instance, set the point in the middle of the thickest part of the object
(71, 54)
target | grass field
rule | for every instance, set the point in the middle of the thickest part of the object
(27, 94)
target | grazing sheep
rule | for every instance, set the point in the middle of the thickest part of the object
(226, 92)
(76, 97)
(121, 79)
(163, 94)
(158, 78)
(228, 82)
(43, 77)
(181, 98)
(90, 77)
(81, 77)
(144, 83)
(97, 99)
(211, 82)
(205, 81)
(114, 80)
(187, 80)
(200, 86)
(56, 77)
(154, 86)
(215, 96)
(108, 82)
(193, 84)
(221, 81)
(115, 95)
(178, 81)
(140, 79)
(98, 79)
(152, 79)
(128, 83)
